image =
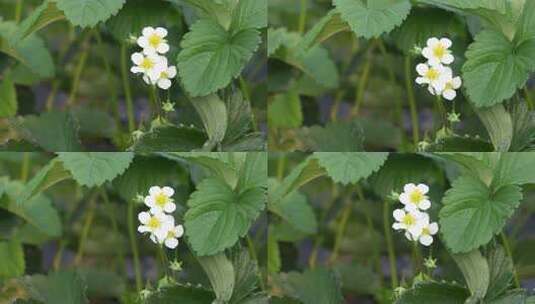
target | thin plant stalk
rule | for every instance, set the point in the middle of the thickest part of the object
(340, 230)
(281, 164)
(412, 101)
(302, 17)
(319, 239)
(133, 243)
(18, 11)
(25, 166)
(247, 95)
(529, 100)
(85, 231)
(441, 111)
(155, 101)
(165, 261)
(345, 66)
(509, 253)
(390, 245)
(111, 86)
(127, 90)
(363, 80)
(61, 57)
(115, 227)
(78, 74)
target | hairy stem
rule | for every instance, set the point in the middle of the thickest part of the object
(390, 245)
(18, 11)
(127, 90)
(412, 101)
(25, 166)
(133, 243)
(302, 17)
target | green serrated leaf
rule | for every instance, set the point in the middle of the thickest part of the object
(326, 139)
(49, 175)
(514, 168)
(211, 57)
(53, 131)
(254, 171)
(213, 113)
(246, 289)
(473, 213)
(170, 138)
(475, 270)
(218, 216)
(325, 28)
(501, 273)
(57, 288)
(41, 16)
(240, 119)
(317, 286)
(8, 98)
(517, 296)
(284, 111)
(249, 14)
(499, 125)
(181, 294)
(434, 292)
(12, 257)
(95, 168)
(87, 13)
(220, 272)
(137, 14)
(370, 19)
(350, 167)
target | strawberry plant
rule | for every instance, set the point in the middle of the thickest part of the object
(400, 228)
(119, 227)
(423, 75)
(165, 75)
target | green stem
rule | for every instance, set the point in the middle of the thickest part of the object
(418, 262)
(115, 227)
(85, 231)
(251, 248)
(302, 17)
(25, 167)
(344, 69)
(247, 95)
(281, 164)
(412, 101)
(340, 230)
(157, 110)
(363, 80)
(509, 253)
(127, 90)
(111, 87)
(442, 111)
(18, 11)
(77, 75)
(325, 211)
(165, 261)
(529, 100)
(133, 243)
(390, 245)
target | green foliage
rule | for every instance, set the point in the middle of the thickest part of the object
(8, 98)
(370, 19)
(327, 139)
(87, 13)
(170, 138)
(499, 125)
(514, 168)
(213, 54)
(213, 113)
(57, 288)
(318, 286)
(434, 292)
(94, 168)
(12, 257)
(43, 15)
(328, 26)
(284, 111)
(501, 273)
(221, 274)
(186, 294)
(53, 131)
(475, 270)
(473, 213)
(218, 215)
(346, 168)
(51, 174)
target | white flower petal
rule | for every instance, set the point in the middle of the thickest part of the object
(136, 70)
(448, 59)
(398, 226)
(154, 190)
(456, 82)
(171, 72)
(404, 198)
(179, 231)
(168, 191)
(426, 240)
(147, 31)
(143, 41)
(398, 214)
(164, 83)
(423, 188)
(169, 207)
(149, 201)
(427, 52)
(143, 217)
(421, 80)
(422, 68)
(163, 48)
(160, 31)
(446, 42)
(449, 94)
(433, 228)
(171, 243)
(156, 209)
(431, 42)
(425, 204)
(137, 58)
(143, 229)
(409, 187)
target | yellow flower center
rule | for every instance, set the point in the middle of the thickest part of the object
(155, 40)
(426, 231)
(153, 223)
(161, 199)
(449, 86)
(164, 75)
(416, 197)
(147, 64)
(439, 51)
(432, 74)
(171, 234)
(408, 220)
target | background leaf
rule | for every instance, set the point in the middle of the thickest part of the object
(87, 13)
(436, 293)
(12, 257)
(8, 98)
(347, 167)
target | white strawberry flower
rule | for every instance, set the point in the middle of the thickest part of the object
(414, 197)
(160, 199)
(437, 51)
(435, 76)
(428, 230)
(151, 66)
(452, 85)
(410, 221)
(164, 80)
(158, 225)
(171, 239)
(153, 40)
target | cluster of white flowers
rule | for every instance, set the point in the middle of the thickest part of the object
(150, 62)
(412, 218)
(436, 73)
(157, 221)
